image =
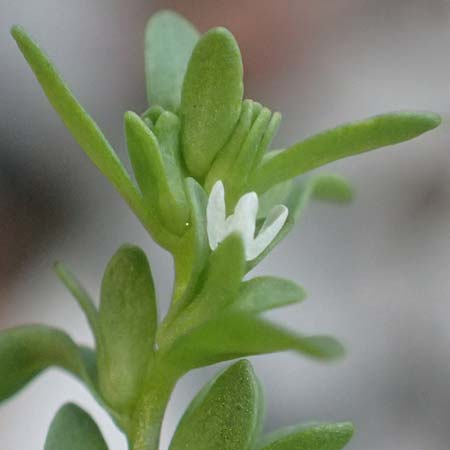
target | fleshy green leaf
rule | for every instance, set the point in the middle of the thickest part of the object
(236, 335)
(81, 296)
(223, 163)
(167, 130)
(74, 429)
(269, 134)
(345, 140)
(211, 98)
(322, 186)
(77, 120)
(26, 351)
(128, 324)
(145, 158)
(218, 286)
(169, 41)
(192, 251)
(163, 197)
(225, 414)
(313, 437)
(242, 166)
(263, 293)
(223, 275)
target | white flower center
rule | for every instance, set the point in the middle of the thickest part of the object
(243, 221)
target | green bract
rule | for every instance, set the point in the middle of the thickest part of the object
(198, 135)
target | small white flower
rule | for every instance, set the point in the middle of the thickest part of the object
(242, 221)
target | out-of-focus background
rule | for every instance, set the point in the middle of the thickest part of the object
(377, 271)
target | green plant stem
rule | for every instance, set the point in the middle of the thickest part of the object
(149, 413)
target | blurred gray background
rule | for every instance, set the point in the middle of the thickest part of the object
(377, 271)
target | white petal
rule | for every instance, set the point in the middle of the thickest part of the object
(244, 217)
(271, 227)
(215, 215)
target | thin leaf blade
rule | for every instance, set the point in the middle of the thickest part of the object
(82, 297)
(77, 120)
(237, 335)
(340, 142)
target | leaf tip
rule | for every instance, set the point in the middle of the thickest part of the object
(17, 32)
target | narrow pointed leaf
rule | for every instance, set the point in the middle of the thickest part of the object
(169, 41)
(218, 286)
(168, 205)
(167, 130)
(345, 140)
(74, 429)
(314, 437)
(224, 272)
(128, 325)
(223, 163)
(145, 158)
(225, 415)
(242, 166)
(263, 293)
(82, 297)
(269, 134)
(211, 98)
(77, 120)
(26, 351)
(193, 248)
(237, 335)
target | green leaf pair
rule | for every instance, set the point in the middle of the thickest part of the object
(227, 414)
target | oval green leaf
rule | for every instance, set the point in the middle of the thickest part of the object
(225, 415)
(74, 429)
(127, 320)
(211, 98)
(169, 41)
